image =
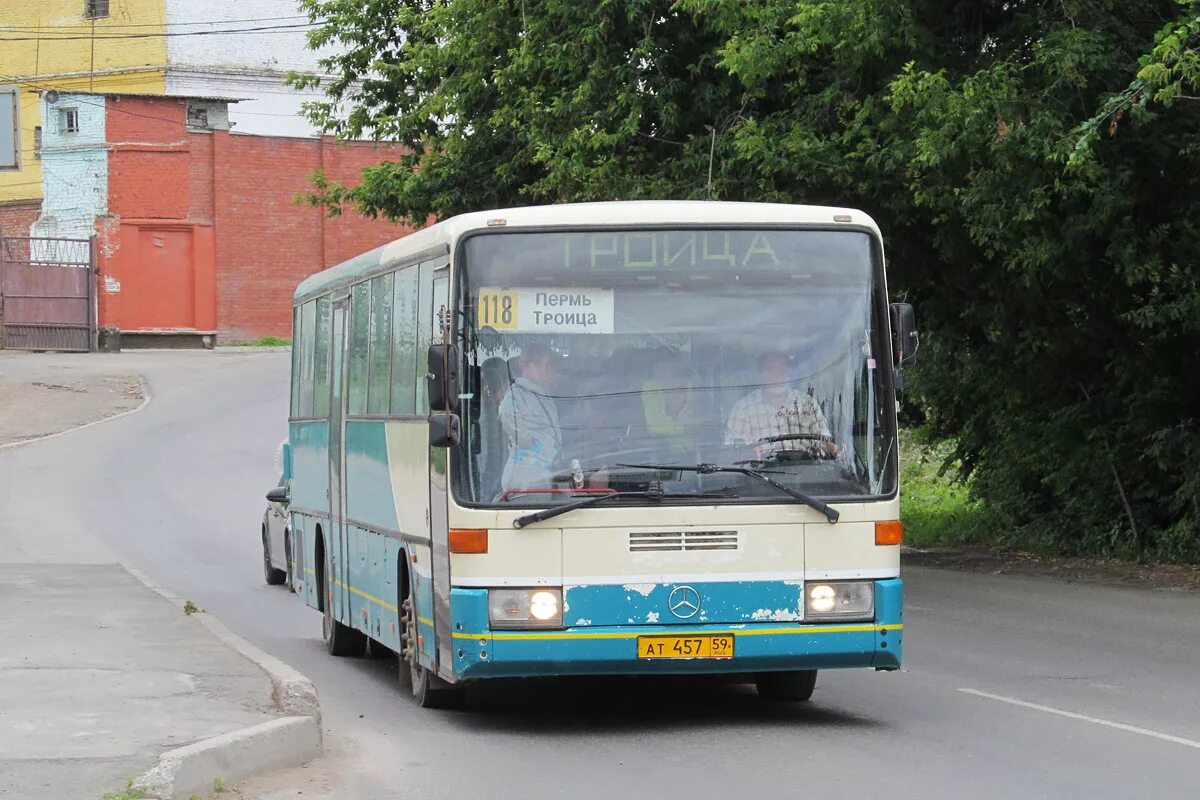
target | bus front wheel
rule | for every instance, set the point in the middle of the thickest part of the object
(429, 690)
(788, 687)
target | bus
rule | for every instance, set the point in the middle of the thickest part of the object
(625, 438)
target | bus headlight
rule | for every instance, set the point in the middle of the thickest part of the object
(525, 608)
(847, 600)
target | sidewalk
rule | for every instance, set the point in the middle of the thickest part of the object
(43, 394)
(99, 675)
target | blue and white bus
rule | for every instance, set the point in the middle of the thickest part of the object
(613, 438)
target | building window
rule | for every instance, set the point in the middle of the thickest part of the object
(68, 120)
(197, 116)
(10, 128)
(95, 9)
(37, 142)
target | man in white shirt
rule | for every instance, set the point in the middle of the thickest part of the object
(776, 409)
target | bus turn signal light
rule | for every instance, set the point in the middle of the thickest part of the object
(468, 540)
(891, 532)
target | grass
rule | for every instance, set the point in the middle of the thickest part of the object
(936, 507)
(265, 341)
(130, 792)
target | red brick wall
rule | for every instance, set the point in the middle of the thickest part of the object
(149, 158)
(142, 118)
(201, 177)
(268, 240)
(17, 216)
(265, 240)
(149, 184)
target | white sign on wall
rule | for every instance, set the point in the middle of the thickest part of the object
(10, 131)
(546, 310)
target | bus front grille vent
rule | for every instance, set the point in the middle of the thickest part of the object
(678, 541)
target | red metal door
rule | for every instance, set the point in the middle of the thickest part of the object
(165, 280)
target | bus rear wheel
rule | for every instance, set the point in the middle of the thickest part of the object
(429, 690)
(787, 687)
(289, 576)
(340, 640)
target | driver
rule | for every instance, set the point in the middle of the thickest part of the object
(776, 409)
(529, 417)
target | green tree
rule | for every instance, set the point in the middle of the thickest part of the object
(1034, 165)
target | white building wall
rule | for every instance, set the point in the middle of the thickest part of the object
(74, 168)
(251, 65)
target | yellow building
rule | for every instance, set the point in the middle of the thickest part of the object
(90, 45)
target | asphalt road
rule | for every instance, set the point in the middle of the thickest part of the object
(1013, 686)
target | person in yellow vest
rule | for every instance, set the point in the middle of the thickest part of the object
(667, 401)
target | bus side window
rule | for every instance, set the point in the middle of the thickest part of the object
(379, 391)
(360, 330)
(321, 359)
(308, 324)
(404, 343)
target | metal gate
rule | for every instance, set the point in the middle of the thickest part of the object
(47, 293)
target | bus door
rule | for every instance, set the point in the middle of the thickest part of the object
(335, 541)
(439, 323)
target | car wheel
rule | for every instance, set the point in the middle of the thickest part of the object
(273, 576)
(787, 687)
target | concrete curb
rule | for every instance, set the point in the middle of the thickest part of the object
(285, 742)
(145, 402)
(189, 771)
(227, 349)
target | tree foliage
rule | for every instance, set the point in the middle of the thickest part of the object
(1035, 166)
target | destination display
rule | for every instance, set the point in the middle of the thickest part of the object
(716, 253)
(528, 310)
(667, 249)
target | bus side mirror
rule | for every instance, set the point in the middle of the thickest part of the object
(287, 461)
(444, 430)
(278, 495)
(442, 377)
(905, 341)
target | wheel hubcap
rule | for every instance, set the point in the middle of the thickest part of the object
(408, 648)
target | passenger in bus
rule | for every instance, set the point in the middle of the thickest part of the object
(776, 409)
(669, 407)
(529, 416)
(667, 397)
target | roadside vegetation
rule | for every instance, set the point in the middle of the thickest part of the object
(265, 341)
(1035, 168)
(131, 792)
(935, 504)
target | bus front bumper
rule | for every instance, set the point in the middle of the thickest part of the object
(612, 650)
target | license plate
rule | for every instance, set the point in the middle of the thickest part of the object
(720, 646)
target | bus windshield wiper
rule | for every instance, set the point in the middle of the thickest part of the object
(591, 500)
(830, 514)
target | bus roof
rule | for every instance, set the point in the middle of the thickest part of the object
(621, 213)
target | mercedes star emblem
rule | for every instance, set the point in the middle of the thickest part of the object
(684, 602)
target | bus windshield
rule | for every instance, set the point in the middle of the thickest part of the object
(597, 360)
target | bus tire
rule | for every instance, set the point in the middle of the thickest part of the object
(788, 687)
(340, 640)
(429, 690)
(273, 576)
